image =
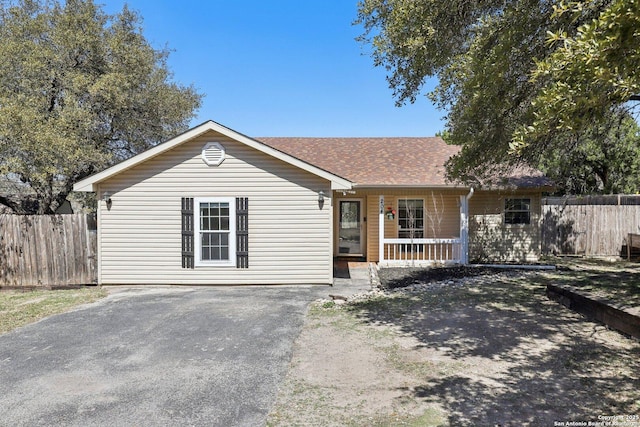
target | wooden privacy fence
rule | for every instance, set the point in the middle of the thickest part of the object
(590, 226)
(47, 250)
(633, 245)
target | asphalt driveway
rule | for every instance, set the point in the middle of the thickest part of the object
(154, 356)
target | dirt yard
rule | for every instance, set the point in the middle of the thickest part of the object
(487, 350)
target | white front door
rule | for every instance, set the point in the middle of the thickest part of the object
(350, 240)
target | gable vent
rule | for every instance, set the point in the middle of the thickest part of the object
(213, 153)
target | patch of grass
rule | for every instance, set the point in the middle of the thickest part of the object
(390, 305)
(344, 318)
(506, 292)
(309, 399)
(417, 369)
(615, 281)
(328, 304)
(18, 308)
(430, 418)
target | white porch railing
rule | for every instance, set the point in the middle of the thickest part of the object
(422, 251)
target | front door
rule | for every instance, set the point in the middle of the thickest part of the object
(350, 228)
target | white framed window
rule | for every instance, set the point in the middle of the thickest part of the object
(410, 218)
(215, 231)
(517, 211)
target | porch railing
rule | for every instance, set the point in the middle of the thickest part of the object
(421, 251)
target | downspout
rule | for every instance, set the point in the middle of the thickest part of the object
(470, 195)
(465, 227)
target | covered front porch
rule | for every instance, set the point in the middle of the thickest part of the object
(403, 227)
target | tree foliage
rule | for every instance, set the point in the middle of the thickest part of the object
(520, 80)
(79, 91)
(607, 159)
(588, 73)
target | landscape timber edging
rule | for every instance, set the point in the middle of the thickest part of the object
(618, 318)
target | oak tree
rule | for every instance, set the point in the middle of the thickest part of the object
(79, 91)
(519, 80)
(606, 160)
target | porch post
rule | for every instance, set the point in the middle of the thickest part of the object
(464, 226)
(464, 229)
(381, 230)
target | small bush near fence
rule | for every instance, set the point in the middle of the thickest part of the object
(51, 251)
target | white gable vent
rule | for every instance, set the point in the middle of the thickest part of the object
(213, 153)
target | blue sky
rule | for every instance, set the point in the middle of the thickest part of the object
(280, 67)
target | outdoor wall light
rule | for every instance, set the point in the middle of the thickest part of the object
(320, 199)
(106, 197)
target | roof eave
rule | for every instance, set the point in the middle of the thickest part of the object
(454, 187)
(91, 183)
(392, 186)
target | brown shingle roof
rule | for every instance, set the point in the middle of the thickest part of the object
(371, 162)
(374, 161)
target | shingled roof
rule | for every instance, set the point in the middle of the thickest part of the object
(373, 162)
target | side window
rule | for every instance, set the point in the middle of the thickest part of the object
(410, 218)
(215, 231)
(517, 211)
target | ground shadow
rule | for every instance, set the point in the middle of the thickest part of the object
(341, 269)
(554, 364)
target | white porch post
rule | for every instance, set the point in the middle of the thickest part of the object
(464, 229)
(381, 230)
(464, 226)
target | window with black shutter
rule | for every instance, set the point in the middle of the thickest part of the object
(187, 233)
(242, 232)
(215, 232)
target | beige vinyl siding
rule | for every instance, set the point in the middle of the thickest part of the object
(290, 238)
(442, 214)
(491, 240)
(373, 227)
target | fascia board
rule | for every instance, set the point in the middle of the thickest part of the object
(90, 183)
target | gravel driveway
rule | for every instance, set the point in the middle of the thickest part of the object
(154, 356)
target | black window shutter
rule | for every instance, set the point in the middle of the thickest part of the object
(187, 233)
(242, 232)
